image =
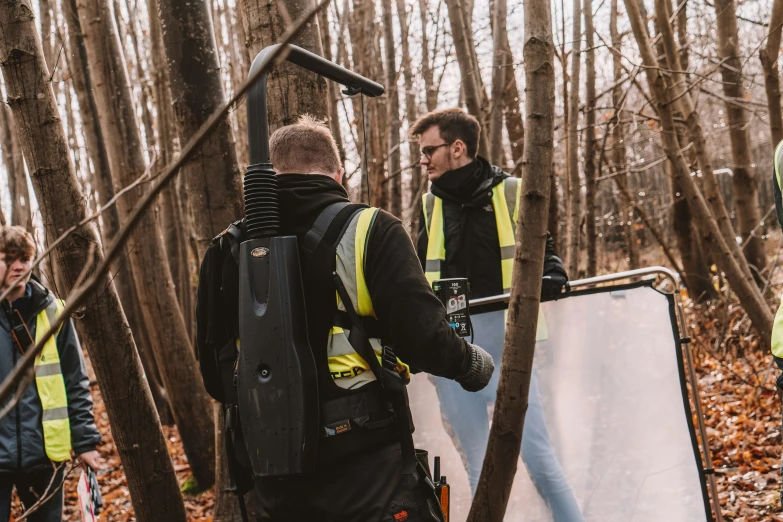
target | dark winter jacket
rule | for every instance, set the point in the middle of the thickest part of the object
(21, 432)
(403, 301)
(470, 230)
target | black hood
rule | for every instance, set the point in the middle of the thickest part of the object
(35, 299)
(469, 185)
(303, 197)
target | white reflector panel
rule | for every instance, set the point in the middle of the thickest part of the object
(613, 399)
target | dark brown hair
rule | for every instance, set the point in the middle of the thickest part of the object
(453, 124)
(304, 147)
(16, 243)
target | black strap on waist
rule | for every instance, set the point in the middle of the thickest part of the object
(372, 327)
(391, 382)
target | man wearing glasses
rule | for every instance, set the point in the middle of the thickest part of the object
(467, 230)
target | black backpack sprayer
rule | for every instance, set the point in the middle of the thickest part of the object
(276, 375)
(277, 379)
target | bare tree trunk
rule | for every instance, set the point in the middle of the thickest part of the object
(430, 90)
(462, 38)
(505, 437)
(13, 158)
(769, 64)
(187, 397)
(46, 10)
(107, 337)
(332, 88)
(499, 81)
(91, 127)
(746, 189)
(697, 277)
(619, 161)
(515, 126)
(703, 154)
(291, 91)
(411, 113)
(574, 186)
(748, 294)
(211, 175)
(590, 184)
(394, 179)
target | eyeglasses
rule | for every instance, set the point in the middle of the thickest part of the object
(428, 151)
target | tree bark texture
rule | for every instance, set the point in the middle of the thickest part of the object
(333, 89)
(505, 437)
(107, 337)
(745, 184)
(574, 185)
(589, 162)
(703, 153)
(697, 277)
(769, 64)
(619, 165)
(291, 90)
(394, 163)
(411, 113)
(427, 74)
(499, 81)
(13, 159)
(748, 294)
(168, 333)
(211, 175)
(515, 126)
(463, 38)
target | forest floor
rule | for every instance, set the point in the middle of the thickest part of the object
(737, 384)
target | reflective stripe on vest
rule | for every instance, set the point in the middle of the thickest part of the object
(505, 203)
(348, 369)
(51, 388)
(505, 196)
(777, 327)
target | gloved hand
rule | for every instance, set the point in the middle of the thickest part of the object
(476, 370)
(552, 285)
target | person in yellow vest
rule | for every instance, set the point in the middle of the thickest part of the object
(53, 417)
(366, 467)
(467, 229)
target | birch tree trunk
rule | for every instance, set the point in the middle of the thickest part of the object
(515, 126)
(505, 437)
(590, 184)
(574, 186)
(333, 89)
(746, 189)
(187, 397)
(291, 90)
(748, 294)
(769, 64)
(394, 164)
(106, 335)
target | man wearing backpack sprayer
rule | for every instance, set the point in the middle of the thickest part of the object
(54, 414)
(468, 230)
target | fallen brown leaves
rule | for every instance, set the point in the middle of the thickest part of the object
(742, 411)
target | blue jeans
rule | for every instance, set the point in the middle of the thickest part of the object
(467, 414)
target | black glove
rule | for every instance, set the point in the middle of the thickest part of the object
(476, 370)
(552, 285)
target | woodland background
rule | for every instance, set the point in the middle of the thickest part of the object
(666, 116)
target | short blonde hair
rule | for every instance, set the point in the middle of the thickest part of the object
(306, 146)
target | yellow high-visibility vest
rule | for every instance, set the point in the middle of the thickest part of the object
(348, 369)
(777, 327)
(51, 388)
(505, 203)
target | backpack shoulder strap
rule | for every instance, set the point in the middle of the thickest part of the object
(327, 230)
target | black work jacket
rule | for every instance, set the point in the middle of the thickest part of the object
(470, 229)
(404, 304)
